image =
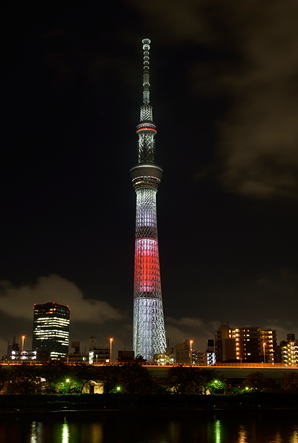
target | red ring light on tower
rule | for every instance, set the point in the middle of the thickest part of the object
(146, 128)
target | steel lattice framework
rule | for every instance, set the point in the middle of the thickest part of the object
(148, 320)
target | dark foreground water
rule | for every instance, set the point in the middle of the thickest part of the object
(201, 427)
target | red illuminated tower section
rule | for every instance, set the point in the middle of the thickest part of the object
(148, 319)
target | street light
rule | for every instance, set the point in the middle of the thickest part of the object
(111, 345)
(23, 341)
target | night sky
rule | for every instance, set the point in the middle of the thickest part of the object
(224, 91)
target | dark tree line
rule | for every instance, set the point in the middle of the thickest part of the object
(57, 377)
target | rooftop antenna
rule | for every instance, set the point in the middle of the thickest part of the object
(146, 78)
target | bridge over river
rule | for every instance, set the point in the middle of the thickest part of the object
(231, 370)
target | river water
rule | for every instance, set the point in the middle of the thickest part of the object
(147, 427)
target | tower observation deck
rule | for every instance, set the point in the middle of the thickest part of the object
(148, 318)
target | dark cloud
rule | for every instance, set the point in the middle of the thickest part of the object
(259, 134)
(175, 22)
(191, 328)
(88, 316)
(59, 290)
(258, 73)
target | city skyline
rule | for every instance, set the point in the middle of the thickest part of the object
(225, 100)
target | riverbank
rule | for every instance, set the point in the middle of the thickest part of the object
(104, 402)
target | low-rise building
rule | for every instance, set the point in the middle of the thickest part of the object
(288, 351)
(126, 356)
(182, 352)
(77, 356)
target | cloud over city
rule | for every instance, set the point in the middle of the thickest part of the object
(257, 73)
(88, 316)
(57, 289)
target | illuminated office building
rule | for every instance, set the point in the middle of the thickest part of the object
(51, 329)
(148, 318)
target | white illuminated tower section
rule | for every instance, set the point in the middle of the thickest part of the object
(148, 320)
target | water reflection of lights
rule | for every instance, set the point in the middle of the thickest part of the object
(65, 432)
(294, 438)
(278, 438)
(35, 431)
(242, 434)
(217, 432)
(174, 432)
(33, 434)
(97, 433)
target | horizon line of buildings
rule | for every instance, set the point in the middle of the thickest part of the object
(243, 345)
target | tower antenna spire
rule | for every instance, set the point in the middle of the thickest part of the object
(146, 77)
(146, 129)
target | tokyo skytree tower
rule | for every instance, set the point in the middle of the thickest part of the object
(148, 320)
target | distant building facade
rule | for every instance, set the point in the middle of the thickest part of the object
(182, 352)
(247, 344)
(77, 356)
(288, 351)
(268, 341)
(164, 359)
(211, 360)
(12, 348)
(98, 355)
(51, 329)
(225, 344)
(185, 354)
(29, 355)
(126, 356)
(15, 353)
(23, 355)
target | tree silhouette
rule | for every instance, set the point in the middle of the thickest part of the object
(5, 376)
(25, 379)
(189, 380)
(290, 383)
(254, 382)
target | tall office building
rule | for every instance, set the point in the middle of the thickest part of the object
(148, 318)
(51, 329)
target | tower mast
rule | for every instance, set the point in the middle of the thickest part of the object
(148, 318)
